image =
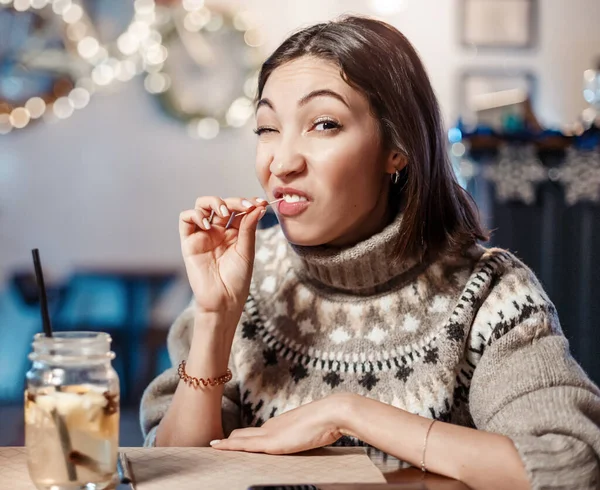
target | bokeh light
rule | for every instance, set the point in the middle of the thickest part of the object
(239, 112)
(88, 47)
(206, 128)
(458, 149)
(20, 117)
(72, 14)
(79, 98)
(5, 124)
(454, 135)
(63, 108)
(36, 107)
(253, 38)
(156, 83)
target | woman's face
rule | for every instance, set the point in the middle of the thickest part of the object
(319, 147)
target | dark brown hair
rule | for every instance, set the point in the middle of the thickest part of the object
(377, 60)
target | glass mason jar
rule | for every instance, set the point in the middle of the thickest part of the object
(72, 412)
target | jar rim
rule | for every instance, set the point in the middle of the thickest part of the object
(71, 337)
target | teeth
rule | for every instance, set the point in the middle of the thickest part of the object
(294, 198)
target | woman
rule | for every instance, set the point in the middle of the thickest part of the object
(371, 316)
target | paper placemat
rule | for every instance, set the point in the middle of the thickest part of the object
(197, 468)
(13, 469)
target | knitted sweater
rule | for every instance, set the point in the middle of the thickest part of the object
(471, 339)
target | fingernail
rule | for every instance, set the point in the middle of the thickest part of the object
(216, 441)
(262, 213)
(260, 201)
(230, 221)
(247, 204)
(206, 223)
(224, 210)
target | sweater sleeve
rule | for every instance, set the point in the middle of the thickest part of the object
(527, 386)
(159, 393)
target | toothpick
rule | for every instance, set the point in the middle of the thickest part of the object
(268, 204)
(235, 215)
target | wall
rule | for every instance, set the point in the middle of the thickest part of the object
(106, 186)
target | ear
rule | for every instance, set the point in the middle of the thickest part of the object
(395, 161)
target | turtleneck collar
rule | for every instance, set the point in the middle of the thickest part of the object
(364, 268)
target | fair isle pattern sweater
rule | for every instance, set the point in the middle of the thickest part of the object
(472, 340)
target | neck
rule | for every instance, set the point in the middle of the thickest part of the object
(367, 267)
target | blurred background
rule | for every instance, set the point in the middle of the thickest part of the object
(116, 114)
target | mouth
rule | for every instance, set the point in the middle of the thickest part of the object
(290, 195)
(294, 201)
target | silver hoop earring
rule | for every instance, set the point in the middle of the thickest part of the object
(395, 177)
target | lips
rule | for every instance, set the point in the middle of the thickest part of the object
(290, 194)
(295, 201)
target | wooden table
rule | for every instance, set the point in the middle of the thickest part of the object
(399, 475)
(162, 467)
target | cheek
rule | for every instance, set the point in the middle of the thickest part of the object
(262, 166)
(350, 169)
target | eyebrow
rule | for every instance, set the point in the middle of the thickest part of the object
(265, 102)
(321, 93)
(307, 98)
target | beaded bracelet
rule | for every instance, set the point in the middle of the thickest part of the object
(196, 382)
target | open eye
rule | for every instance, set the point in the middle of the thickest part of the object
(326, 125)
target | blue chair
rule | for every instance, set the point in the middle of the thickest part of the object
(19, 322)
(116, 301)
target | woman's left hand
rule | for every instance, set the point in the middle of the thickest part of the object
(307, 427)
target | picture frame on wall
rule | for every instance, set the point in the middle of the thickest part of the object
(499, 99)
(499, 24)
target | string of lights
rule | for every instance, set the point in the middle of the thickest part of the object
(194, 20)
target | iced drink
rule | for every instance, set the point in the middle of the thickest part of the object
(72, 436)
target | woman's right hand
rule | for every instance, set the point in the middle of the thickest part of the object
(219, 261)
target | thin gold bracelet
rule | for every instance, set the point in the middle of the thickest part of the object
(423, 467)
(196, 382)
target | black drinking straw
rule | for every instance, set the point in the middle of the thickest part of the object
(63, 433)
(39, 275)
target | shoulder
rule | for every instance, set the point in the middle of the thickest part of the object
(508, 266)
(490, 278)
(508, 295)
(511, 284)
(499, 278)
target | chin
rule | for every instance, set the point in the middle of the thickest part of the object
(304, 235)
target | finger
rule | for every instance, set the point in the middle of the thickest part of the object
(241, 204)
(192, 220)
(248, 205)
(215, 206)
(246, 432)
(232, 203)
(246, 243)
(224, 211)
(258, 201)
(253, 444)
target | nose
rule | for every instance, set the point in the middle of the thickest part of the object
(288, 160)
